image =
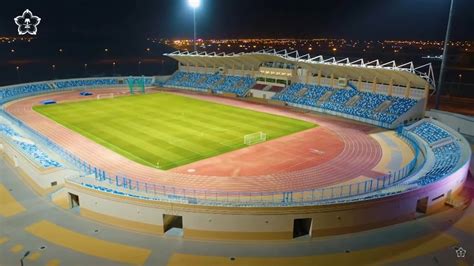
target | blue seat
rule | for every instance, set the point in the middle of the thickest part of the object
(400, 106)
(235, 84)
(15, 92)
(446, 159)
(30, 149)
(364, 107)
(216, 82)
(430, 132)
(99, 82)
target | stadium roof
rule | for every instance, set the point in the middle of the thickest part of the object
(384, 72)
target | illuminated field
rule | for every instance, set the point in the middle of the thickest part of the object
(168, 129)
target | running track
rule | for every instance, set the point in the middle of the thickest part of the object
(357, 155)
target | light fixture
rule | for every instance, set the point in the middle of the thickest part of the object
(194, 3)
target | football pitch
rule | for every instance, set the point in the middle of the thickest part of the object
(167, 130)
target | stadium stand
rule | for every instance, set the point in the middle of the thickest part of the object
(289, 95)
(348, 101)
(370, 100)
(313, 94)
(28, 89)
(216, 82)
(30, 149)
(234, 84)
(188, 80)
(13, 92)
(400, 106)
(342, 96)
(430, 132)
(158, 83)
(446, 158)
(86, 83)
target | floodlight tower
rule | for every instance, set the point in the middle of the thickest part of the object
(194, 4)
(445, 56)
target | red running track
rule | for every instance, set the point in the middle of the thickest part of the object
(335, 152)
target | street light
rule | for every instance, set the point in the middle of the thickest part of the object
(18, 73)
(85, 70)
(54, 71)
(113, 66)
(459, 81)
(445, 55)
(194, 4)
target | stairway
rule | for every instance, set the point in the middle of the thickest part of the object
(202, 79)
(382, 107)
(301, 92)
(325, 97)
(353, 101)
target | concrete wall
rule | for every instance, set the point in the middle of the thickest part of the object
(262, 94)
(263, 223)
(41, 176)
(461, 123)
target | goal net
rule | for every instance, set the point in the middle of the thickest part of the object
(105, 96)
(255, 138)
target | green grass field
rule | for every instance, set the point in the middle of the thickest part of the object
(167, 129)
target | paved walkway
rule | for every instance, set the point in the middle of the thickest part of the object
(42, 228)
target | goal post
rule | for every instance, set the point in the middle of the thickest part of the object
(136, 84)
(105, 96)
(255, 138)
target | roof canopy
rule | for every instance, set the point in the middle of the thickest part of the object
(383, 72)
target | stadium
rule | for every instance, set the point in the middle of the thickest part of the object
(267, 145)
(123, 142)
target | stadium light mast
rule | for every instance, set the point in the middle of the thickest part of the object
(194, 4)
(445, 55)
(54, 71)
(18, 73)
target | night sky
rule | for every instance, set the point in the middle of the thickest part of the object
(356, 19)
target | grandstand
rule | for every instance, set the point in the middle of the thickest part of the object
(28, 148)
(429, 132)
(380, 97)
(216, 82)
(85, 83)
(13, 92)
(443, 151)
